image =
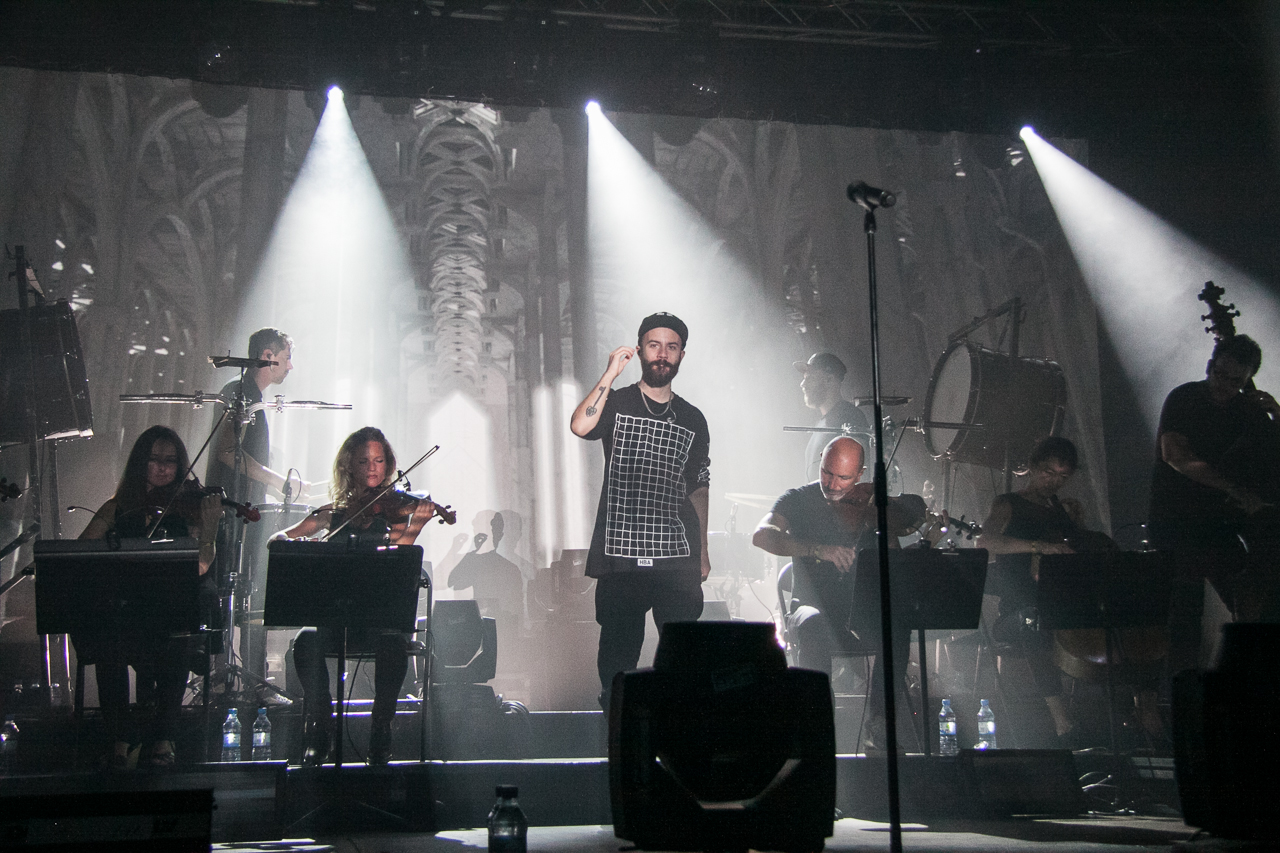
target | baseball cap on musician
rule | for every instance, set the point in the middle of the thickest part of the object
(663, 320)
(824, 361)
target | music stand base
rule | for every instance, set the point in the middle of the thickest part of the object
(337, 813)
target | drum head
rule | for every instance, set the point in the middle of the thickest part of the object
(948, 399)
(1011, 402)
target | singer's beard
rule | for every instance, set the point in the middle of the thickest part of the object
(658, 374)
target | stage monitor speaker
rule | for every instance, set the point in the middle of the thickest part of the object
(720, 746)
(124, 821)
(1225, 742)
(1007, 782)
(61, 389)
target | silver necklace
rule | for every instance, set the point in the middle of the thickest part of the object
(644, 398)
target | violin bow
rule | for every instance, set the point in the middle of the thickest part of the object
(373, 500)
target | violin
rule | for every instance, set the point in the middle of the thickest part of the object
(857, 511)
(193, 492)
(396, 506)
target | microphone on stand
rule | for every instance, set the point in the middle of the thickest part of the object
(870, 197)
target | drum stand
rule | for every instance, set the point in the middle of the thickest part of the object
(237, 593)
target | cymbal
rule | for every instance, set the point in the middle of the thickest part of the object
(884, 401)
(747, 499)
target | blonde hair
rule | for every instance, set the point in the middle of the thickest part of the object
(345, 487)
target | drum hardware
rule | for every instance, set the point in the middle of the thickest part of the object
(229, 360)
(196, 400)
(748, 499)
(884, 401)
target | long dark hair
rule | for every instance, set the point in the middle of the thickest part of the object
(132, 491)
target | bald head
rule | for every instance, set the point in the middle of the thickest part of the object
(841, 467)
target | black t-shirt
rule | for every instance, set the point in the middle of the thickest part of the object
(818, 583)
(1219, 434)
(1010, 578)
(256, 441)
(654, 458)
(841, 413)
(811, 519)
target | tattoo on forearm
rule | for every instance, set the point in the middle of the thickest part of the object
(591, 410)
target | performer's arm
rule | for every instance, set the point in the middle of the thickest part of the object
(254, 469)
(206, 532)
(587, 415)
(701, 502)
(993, 539)
(309, 526)
(774, 535)
(101, 521)
(1175, 450)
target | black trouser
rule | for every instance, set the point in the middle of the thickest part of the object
(623, 599)
(391, 662)
(818, 639)
(161, 665)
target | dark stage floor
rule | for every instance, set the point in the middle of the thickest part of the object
(1112, 835)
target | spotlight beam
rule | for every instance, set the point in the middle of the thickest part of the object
(1144, 275)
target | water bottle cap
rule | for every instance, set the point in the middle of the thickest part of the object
(984, 703)
(262, 712)
(506, 791)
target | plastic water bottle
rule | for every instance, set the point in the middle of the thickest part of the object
(231, 737)
(507, 825)
(8, 745)
(986, 727)
(948, 740)
(262, 737)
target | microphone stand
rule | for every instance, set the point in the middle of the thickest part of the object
(882, 540)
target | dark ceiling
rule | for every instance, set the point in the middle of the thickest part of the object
(1070, 67)
(1171, 94)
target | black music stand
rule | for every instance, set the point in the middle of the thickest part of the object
(133, 586)
(933, 589)
(124, 587)
(343, 584)
(1108, 590)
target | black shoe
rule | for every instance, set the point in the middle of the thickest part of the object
(380, 741)
(315, 739)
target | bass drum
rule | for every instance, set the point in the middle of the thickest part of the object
(1016, 400)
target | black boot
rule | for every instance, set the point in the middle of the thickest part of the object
(379, 741)
(315, 740)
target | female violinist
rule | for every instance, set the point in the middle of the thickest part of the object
(364, 466)
(150, 482)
